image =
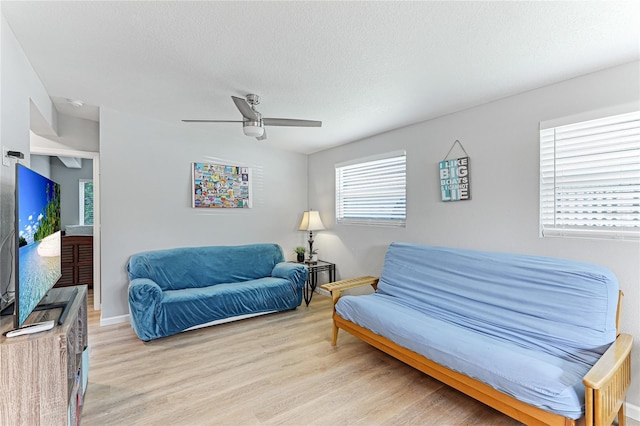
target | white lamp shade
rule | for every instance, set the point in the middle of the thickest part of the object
(311, 221)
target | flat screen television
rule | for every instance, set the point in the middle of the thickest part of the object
(37, 231)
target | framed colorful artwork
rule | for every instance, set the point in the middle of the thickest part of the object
(219, 186)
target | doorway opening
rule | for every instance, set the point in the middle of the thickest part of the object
(94, 158)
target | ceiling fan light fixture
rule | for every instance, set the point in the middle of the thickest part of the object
(253, 129)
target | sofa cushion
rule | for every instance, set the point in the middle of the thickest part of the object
(193, 267)
(182, 309)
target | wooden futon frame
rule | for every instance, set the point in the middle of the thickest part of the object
(605, 384)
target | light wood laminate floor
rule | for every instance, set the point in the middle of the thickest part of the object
(278, 369)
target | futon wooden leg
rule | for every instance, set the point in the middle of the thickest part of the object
(622, 416)
(334, 338)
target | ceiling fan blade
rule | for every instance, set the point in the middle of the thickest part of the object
(212, 121)
(264, 135)
(245, 109)
(290, 122)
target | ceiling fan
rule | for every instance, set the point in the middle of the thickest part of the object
(253, 123)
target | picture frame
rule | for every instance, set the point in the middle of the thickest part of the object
(455, 180)
(220, 186)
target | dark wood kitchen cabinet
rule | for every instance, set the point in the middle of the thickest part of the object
(77, 261)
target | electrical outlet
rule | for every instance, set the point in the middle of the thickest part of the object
(5, 159)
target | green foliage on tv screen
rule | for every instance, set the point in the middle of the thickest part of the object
(50, 220)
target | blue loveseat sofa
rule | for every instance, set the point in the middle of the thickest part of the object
(174, 290)
(534, 337)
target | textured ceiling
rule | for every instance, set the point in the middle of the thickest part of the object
(362, 68)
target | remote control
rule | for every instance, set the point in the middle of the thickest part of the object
(31, 328)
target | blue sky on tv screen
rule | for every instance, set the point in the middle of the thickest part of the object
(32, 201)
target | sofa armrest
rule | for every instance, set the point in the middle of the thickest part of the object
(607, 382)
(336, 288)
(144, 297)
(294, 272)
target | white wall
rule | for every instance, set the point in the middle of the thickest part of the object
(41, 164)
(501, 139)
(145, 169)
(75, 134)
(21, 92)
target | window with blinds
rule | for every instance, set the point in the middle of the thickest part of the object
(590, 178)
(372, 191)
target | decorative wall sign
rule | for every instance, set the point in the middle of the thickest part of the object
(454, 177)
(221, 186)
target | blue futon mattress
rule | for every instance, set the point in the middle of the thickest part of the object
(528, 326)
(546, 381)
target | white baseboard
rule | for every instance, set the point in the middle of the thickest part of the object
(114, 320)
(125, 318)
(322, 291)
(632, 411)
(226, 320)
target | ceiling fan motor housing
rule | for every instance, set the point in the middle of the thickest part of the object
(252, 99)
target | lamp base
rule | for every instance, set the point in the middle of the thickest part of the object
(310, 260)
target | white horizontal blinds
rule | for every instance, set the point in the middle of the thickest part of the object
(372, 192)
(590, 178)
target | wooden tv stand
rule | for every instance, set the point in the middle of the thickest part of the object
(44, 375)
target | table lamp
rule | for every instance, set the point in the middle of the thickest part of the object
(311, 222)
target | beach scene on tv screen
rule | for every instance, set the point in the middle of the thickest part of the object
(38, 238)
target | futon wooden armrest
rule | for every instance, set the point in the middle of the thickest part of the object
(609, 362)
(336, 288)
(350, 283)
(607, 382)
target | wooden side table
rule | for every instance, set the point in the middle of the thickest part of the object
(312, 281)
